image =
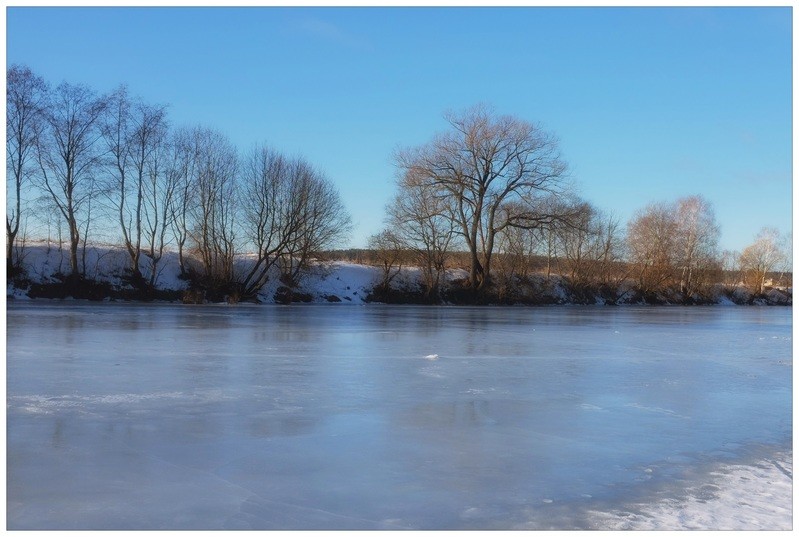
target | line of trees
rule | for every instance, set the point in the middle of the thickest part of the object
(95, 160)
(496, 187)
(490, 194)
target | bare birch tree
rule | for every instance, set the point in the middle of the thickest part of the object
(159, 195)
(697, 236)
(68, 154)
(183, 160)
(133, 132)
(25, 99)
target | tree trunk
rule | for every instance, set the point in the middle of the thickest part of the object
(11, 236)
(74, 242)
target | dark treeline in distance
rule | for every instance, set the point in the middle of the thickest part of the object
(491, 195)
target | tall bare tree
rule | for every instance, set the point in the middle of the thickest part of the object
(323, 221)
(163, 179)
(213, 229)
(68, 154)
(289, 211)
(182, 164)
(133, 131)
(697, 237)
(25, 98)
(268, 213)
(484, 163)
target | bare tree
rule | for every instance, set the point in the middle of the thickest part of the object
(213, 215)
(549, 240)
(761, 257)
(323, 221)
(91, 194)
(697, 236)
(579, 245)
(133, 132)
(422, 221)
(67, 155)
(25, 98)
(591, 246)
(182, 165)
(268, 213)
(674, 246)
(289, 211)
(482, 164)
(610, 243)
(163, 180)
(651, 242)
(512, 265)
(390, 253)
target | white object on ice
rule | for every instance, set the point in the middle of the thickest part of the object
(431, 357)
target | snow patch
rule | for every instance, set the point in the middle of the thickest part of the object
(732, 497)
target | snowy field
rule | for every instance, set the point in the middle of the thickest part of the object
(124, 416)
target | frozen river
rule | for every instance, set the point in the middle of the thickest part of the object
(344, 417)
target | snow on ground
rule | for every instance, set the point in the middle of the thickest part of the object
(349, 282)
(733, 497)
(326, 282)
(44, 259)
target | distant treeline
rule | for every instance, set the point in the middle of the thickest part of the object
(535, 285)
(490, 195)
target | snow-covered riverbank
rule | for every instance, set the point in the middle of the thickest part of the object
(745, 496)
(338, 282)
(349, 283)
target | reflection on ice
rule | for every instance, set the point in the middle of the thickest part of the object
(146, 417)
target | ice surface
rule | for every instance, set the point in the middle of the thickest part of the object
(262, 417)
(753, 496)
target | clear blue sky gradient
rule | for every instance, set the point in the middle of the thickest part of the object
(649, 104)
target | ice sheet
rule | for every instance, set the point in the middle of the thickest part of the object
(314, 417)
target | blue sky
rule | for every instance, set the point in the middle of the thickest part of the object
(649, 104)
